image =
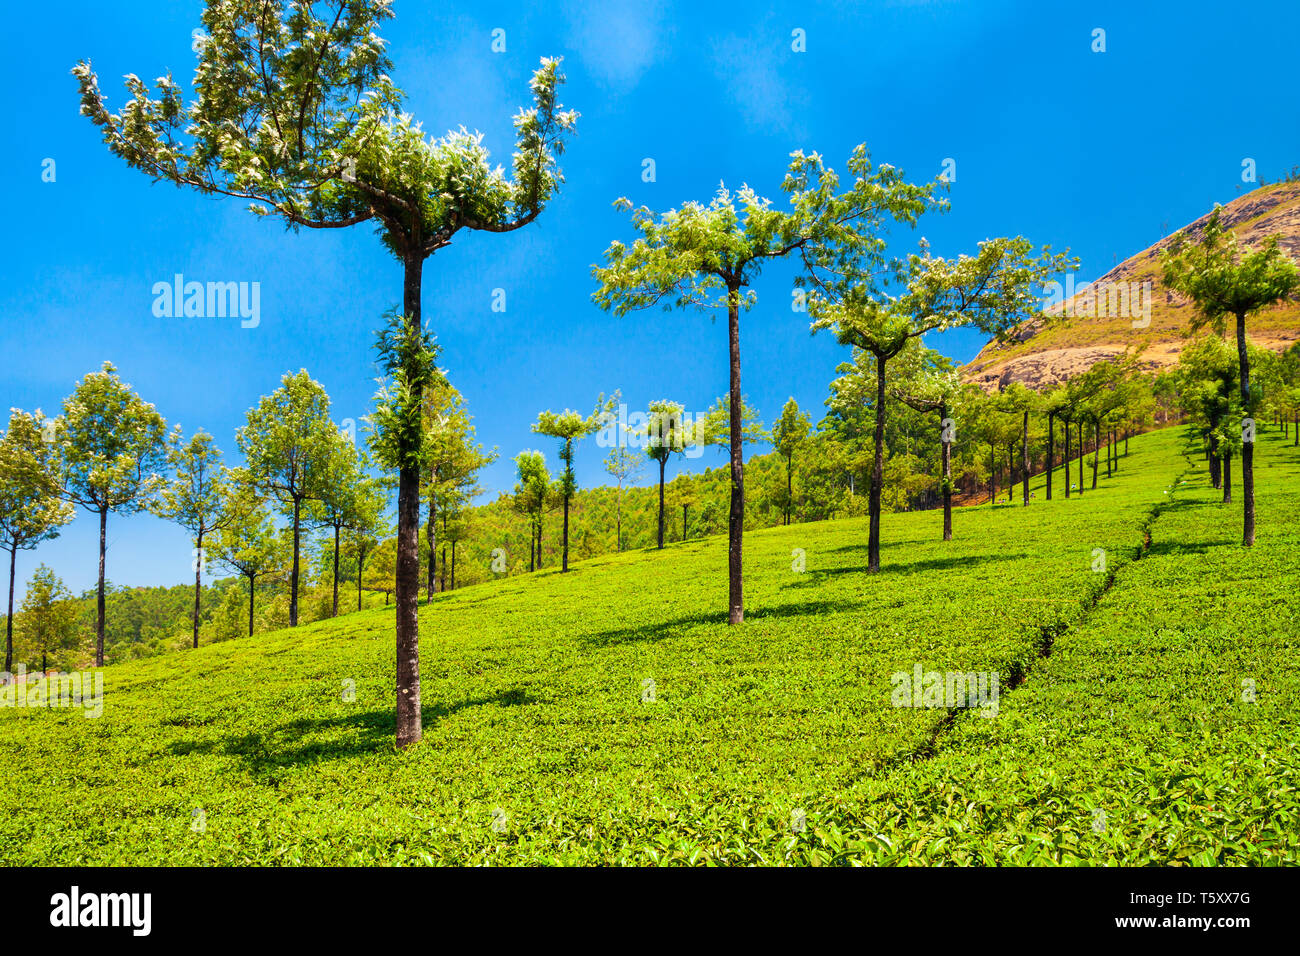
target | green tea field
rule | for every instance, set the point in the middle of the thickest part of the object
(1147, 708)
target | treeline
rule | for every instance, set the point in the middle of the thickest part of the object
(941, 436)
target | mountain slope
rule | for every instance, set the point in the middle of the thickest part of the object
(1070, 343)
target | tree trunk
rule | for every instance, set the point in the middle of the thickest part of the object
(877, 472)
(1216, 472)
(539, 539)
(993, 475)
(564, 558)
(736, 520)
(251, 579)
(568, 484)
(1096, 451)
(946, 455)
(336, 571)
(407, 585)
(1227, 479)
(1051, 451)
(684, 510)
(431, 538)
(361, 569)
(1024, 458)
(293, 576)
(9, 619)
(99, 594)
(453, 564)
(532, 545)
(618, 519)
(663, 460)
(1247, 448)
(1082, 455)
(198, 582)
(1065, 453)
(789, 489)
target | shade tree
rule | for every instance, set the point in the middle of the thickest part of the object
(669, 432)
(926, 382)
(1228, 283)
(452, 462)
(789, 435)
(248, 543)
(30, 508)
(994, 291)
(623, 466)
(194, 498)
(709, 256)
(112, 448)
(295, 113)
(570, 427)
(48, 623)
(290, 448)
(530, 498)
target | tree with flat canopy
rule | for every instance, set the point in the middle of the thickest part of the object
(30, 508)
(294, 112)
(113, 450)
(852, 293)
(788, 436)
(194, 499)
(666, 432)
(570, 427)
(289, 446)
(708, 257)
(1226, 282)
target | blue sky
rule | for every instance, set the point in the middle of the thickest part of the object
(1100, 152)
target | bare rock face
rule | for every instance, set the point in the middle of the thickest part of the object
(1043, 369)
(1042, 354)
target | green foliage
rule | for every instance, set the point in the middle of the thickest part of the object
(30, 510)
(701, 255)
(194, 497)
(1222, 279)
(1134, 713)
(569, 427)
(452, 457)
(112, 446)
(408, 356)
(47, 626)
(289, 442)
(296, 114)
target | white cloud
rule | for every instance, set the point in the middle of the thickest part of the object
(755, 71)
(616, 40)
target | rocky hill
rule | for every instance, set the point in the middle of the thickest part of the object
(1112, 316)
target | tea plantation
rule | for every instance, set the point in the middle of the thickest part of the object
(1147, 711)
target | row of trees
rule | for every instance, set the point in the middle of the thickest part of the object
(294, 113)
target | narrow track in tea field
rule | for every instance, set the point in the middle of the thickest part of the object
(1049, 634)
